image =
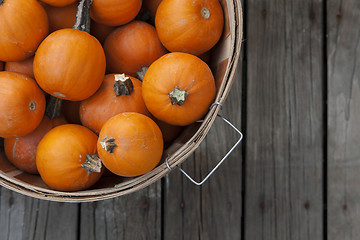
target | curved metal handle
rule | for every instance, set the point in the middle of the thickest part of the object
(221, 161)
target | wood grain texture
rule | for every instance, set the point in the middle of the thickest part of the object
(212, 211)
(27, 218)
(284, 142)
(134, 216)
(343, 119)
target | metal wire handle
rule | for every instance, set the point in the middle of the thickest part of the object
(221, 161)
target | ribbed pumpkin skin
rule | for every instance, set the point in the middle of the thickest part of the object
(60, 154)
(104, 104)
(21, 33)
(182, 28)
(114, 12)
(24, 67)
(21, 151)
(139, 144)
(70, 64)
(22, 104)
(131, 47)
(186, 72)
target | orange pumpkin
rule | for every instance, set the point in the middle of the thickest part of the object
(58, 3)
(61, 17)
(130, 144)
(70, 64)
(22, 104)
(100, 31)
(117, 94)
(66, 158)
(114, 12)
(132, 48)
(21, 151)
(24, 67)
(23, 24)
(189, 26)
(178, 88)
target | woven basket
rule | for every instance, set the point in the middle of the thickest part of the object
(224, 58)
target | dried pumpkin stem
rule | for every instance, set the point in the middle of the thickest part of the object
(123, 85)
(177, 96)
(141, 74)
(83, 16)
(108, 144)
(53, 107)
(92, 163)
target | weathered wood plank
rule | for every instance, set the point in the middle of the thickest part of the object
(27, 218)
(212, 211)
(133, 216)
(343, 19)
(284, 142)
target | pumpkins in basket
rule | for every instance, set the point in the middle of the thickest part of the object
(127, 96)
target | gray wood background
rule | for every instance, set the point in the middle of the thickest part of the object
(295, 176)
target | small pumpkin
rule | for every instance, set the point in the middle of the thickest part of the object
(114, 12)
(21, 151)
(58, 3)
(178, 88)
(21, 33)
(118, 93)
(132, 48)
(70, 63)
(61, 17)
(130, 144)
(189, 26)
(22, 104)
(66, 158)
(24, 67)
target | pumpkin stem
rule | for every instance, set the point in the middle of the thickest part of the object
(83, 16)
(108, 144)
(205, 13)
(123, 85)
(141, 74)
(32, 104)
(92, 163)
(53, 107)
(177, 96)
